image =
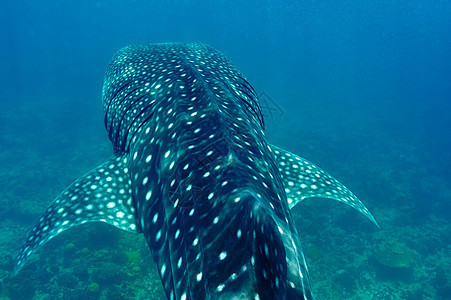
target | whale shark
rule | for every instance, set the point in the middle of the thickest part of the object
(194, 173)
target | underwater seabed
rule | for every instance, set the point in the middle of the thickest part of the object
(97, 261)
(351, 260)
(348, 257)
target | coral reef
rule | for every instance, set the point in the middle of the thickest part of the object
(395, 255)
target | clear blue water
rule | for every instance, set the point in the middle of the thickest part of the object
(363, 89)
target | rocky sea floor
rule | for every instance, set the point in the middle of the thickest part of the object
(409, 257)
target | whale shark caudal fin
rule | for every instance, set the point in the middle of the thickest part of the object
(102, 195)
(302, 180)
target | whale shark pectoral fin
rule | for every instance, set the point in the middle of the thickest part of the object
(102, 195)
(302, 180)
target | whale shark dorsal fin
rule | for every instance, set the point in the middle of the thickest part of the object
(102, 195)
(302, 180)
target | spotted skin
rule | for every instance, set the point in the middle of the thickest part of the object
(303, 180)
(193, 172)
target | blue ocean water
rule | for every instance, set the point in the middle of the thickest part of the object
(363, 89)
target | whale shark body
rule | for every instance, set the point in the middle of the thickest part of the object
(193, 171)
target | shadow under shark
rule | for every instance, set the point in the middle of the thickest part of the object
(193, 171)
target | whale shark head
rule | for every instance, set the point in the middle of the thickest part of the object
(193, 172)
